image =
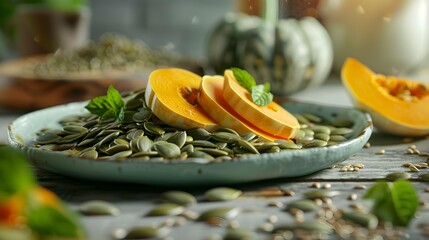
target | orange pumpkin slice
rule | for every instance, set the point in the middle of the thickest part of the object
(211, 100)
(273, 118)
(171, 95)
(397, 106)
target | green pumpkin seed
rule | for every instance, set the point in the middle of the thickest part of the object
(248, 136)
(337, 138)
(166, 149)
(238, 234)
(145, 232)
(153, 128)
(227, 130)
(98, 207)
(166, 209)
(145, 154)
(315, 143)
(304, 205)
(341, 131)
(203, 143)
(266, 146)
(318, 226)
(222, 194)
(312, 117)
(135, 134)
(299, 134)
(188, 148)
(109, 138)
(121, 155)
(342, 123)
(178, 138)
(301, 119)
(398, 175)
(91, 154)
(144, 144)
(274, 149)
(285, 144)
(225, 137)
(323, 136)
(214, 152)
(198, 134)
(142, 115)
(75, 129)
(367, 220)
(71, 138)
(200, 154)
(117, 148)
(245, 144)
(322, 193)
(178, 197)
(321, 129)
(220, 212)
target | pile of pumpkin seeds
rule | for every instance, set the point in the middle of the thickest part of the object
(110, 51)
(143, 136)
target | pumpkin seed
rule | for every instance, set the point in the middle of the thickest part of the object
(341, 131)
(301, 119)
(227, 130)
(321, 129)
(398, 175)
(144, 144)
(142, 116)
(75, 129)
(117, 148)
(144, 232)
(214, 152)
(178, 138)
(248, 146)
(248, 136)
(315, 143)
(312, 117)
(367, 220)
(121, 155)
(135, 134)
(153, 128)
(198, 133)
(337, 138)
(323, 193)
(303, 205)
(318, 226)
(287, 144)
(222, 194)
(220, 212)
(178, 197)
(91, 154)
(200, 154)
(188, 148)
(203, 143)
(98, 207)
(238, 234)
(166, 149)
(323, 136)
(166, 209)
(225, 137)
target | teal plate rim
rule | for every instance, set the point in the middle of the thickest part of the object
(287, 164)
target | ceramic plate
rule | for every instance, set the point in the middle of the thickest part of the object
(292, 163)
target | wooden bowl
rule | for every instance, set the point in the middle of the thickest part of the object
(23, 89)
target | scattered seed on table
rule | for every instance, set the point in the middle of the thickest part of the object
(360, 187)
(367, 145)
(380, 152)
(413, 168)
(352, 197)
(315, 185)
(326, 185)
(288, 193)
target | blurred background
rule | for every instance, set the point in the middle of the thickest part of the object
(278, 44)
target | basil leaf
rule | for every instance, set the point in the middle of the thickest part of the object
(49, 221)
(244, 78)
(15, 174)
(405, 201)
(260, 96)
(111, 105)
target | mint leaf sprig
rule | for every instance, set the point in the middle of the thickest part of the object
(260, 94)
(111, 105)
(395, 202)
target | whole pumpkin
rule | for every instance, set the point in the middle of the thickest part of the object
(291, 55)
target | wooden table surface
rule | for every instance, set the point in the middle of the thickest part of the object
(134, 201)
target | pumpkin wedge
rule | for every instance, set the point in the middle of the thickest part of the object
(397, 106)
(273, 118)
(211, 100)
(171, 94)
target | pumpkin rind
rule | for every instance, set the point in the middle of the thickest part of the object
(389, 113)
(164, 97)
(272, 118)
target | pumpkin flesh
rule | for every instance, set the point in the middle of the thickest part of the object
(272, 118)
(170, 94)
(212, 101)
(399, 106)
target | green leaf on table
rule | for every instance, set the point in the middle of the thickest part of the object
(49, 221)
(244, 78)
(109, 106)
(260, 96)
(15, 173)
(395, 202)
